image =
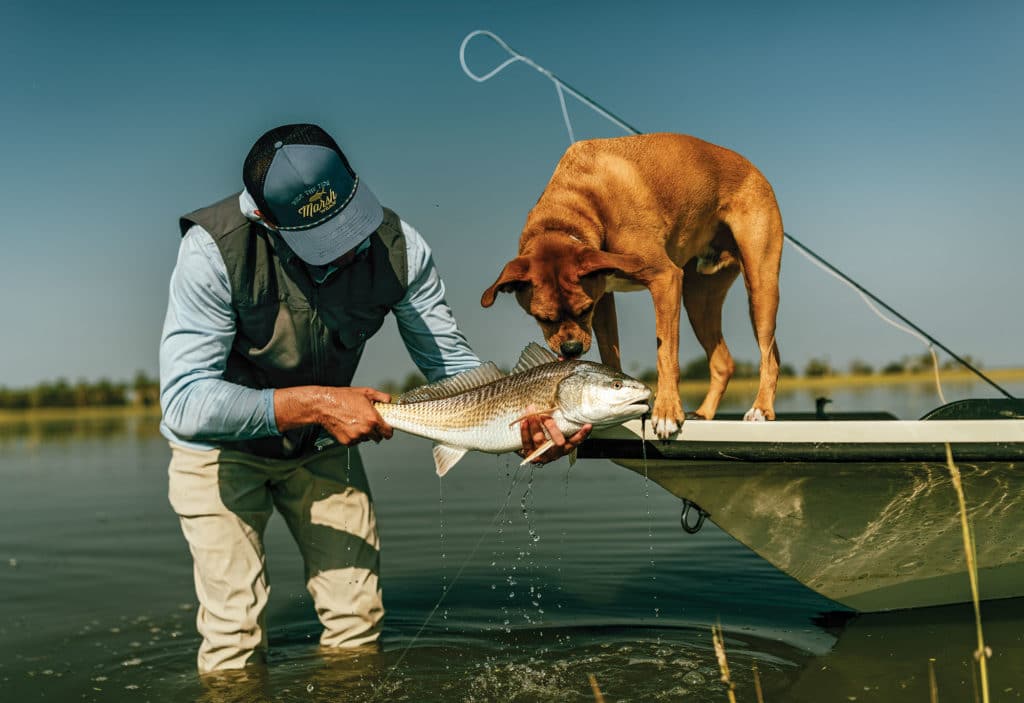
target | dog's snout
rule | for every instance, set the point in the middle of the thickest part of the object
(571, 348)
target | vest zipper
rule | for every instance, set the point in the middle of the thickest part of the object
(315, 339)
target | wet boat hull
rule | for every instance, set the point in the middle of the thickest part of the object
(863, 512)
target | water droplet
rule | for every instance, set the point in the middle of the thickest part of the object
(694, 679)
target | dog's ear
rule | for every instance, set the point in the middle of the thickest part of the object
(514, 274)
(597, 261)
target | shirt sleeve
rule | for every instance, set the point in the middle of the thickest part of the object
(425, 321)
(197, 403)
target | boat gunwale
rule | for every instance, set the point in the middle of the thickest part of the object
(815, 440)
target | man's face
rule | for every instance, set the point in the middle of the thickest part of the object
(345, 259)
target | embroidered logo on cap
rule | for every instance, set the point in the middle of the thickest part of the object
(319, 201)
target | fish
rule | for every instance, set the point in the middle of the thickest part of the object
(480, 409)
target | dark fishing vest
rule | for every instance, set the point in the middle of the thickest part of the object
(291, 331)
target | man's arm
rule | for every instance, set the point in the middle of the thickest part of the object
(197, 403)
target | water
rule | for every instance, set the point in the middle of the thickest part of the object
(554, 574)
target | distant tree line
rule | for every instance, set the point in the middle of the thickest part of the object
(141, 391)
(414, 379)
(820, 367)
(697, 369)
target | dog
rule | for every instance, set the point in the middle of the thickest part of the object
(671, 213)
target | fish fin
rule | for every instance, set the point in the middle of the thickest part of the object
(534, 355)
(537, 452)
(572, 457)
(533, 414)
(453, 385)
(445, 457)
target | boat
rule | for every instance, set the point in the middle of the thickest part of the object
(859, 507)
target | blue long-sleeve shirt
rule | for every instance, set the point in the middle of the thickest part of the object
(200, 408)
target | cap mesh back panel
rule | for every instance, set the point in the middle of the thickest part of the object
(257, 163)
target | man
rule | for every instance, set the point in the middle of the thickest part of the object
(275, 292)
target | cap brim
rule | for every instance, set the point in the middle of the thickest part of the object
(327, 241)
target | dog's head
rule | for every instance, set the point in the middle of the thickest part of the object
(558, 282)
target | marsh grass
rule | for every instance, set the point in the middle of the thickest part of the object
(757, 684)
(42, 415)
(982, 653)
(723, 662)
(933, 688)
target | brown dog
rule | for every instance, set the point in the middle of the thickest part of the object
(667, 212)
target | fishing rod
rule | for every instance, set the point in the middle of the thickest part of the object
(562, 87)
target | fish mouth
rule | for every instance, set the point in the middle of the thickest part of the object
(640, 405)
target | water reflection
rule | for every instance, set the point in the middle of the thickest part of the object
(31, 431)
(884, 656)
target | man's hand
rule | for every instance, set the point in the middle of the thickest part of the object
(346, 413)
(349, 416)
(532, 429)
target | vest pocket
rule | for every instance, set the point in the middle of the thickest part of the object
(357, 325)
(273, 334)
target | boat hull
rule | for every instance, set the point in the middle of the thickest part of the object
(873, 525)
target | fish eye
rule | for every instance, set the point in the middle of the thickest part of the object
(616, 385)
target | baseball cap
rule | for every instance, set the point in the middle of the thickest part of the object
(303, 185)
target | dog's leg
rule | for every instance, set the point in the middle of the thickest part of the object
(759, 236)
(606, 329)
(703, 297)
(667, 291)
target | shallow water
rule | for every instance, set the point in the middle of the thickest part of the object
(554, 574)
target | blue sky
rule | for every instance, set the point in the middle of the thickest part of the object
(890, 132)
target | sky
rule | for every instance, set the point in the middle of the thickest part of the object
(890, 132)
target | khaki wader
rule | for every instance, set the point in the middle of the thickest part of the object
(224, 499)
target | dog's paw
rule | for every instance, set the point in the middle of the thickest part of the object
(664, 427)
(755, 415)
(666, 415)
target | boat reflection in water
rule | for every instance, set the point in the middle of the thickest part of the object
(885, 656)
(861, 510)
